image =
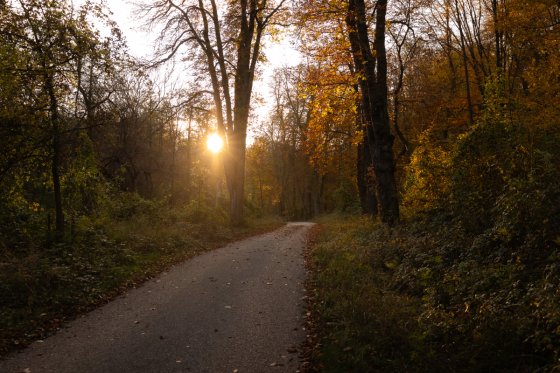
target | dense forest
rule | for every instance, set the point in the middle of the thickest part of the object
(437, 120)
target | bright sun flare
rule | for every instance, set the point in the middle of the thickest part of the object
(215, 143)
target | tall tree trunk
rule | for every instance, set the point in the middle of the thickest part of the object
(238, 135)
(55, 169)
(55, 160)
(248, 49)
(236, 179)
(383, 162)
(498, 36)
(465, 65)
(373, 86)
(366, 186)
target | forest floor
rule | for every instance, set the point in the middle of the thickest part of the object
(235, 309)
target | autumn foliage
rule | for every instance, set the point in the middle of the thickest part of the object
(455, 103)
(474, 93)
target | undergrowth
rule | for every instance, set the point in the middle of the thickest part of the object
(421, 298)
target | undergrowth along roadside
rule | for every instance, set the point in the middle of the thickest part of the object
(421, 298)
(359, 324)
(44, 285)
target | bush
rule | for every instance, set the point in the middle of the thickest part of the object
(195, 212)
(124, 206)
(428, 296)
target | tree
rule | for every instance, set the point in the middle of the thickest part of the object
(51, 42)
(228, 43)
(405, 45)
(336, 120)
(287, 131)
(371, 69)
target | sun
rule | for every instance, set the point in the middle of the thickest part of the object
(215, 143)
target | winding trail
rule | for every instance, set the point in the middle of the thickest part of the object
(235, 309)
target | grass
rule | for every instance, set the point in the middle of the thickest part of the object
(43, 286)
(362, 324)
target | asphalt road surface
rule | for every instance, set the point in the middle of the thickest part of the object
(235, 309)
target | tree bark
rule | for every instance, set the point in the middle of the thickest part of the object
(372, 73)
(366, 185)
(498, 36)
(248, 50)
(242, 95)
(55, 160)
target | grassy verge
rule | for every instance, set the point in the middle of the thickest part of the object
(44, 285)
(423, 297)
(361, 324)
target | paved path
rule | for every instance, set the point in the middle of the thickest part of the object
(235, 309)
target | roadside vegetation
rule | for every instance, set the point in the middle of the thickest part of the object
(428, 297)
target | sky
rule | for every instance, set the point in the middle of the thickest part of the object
(141, 44)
